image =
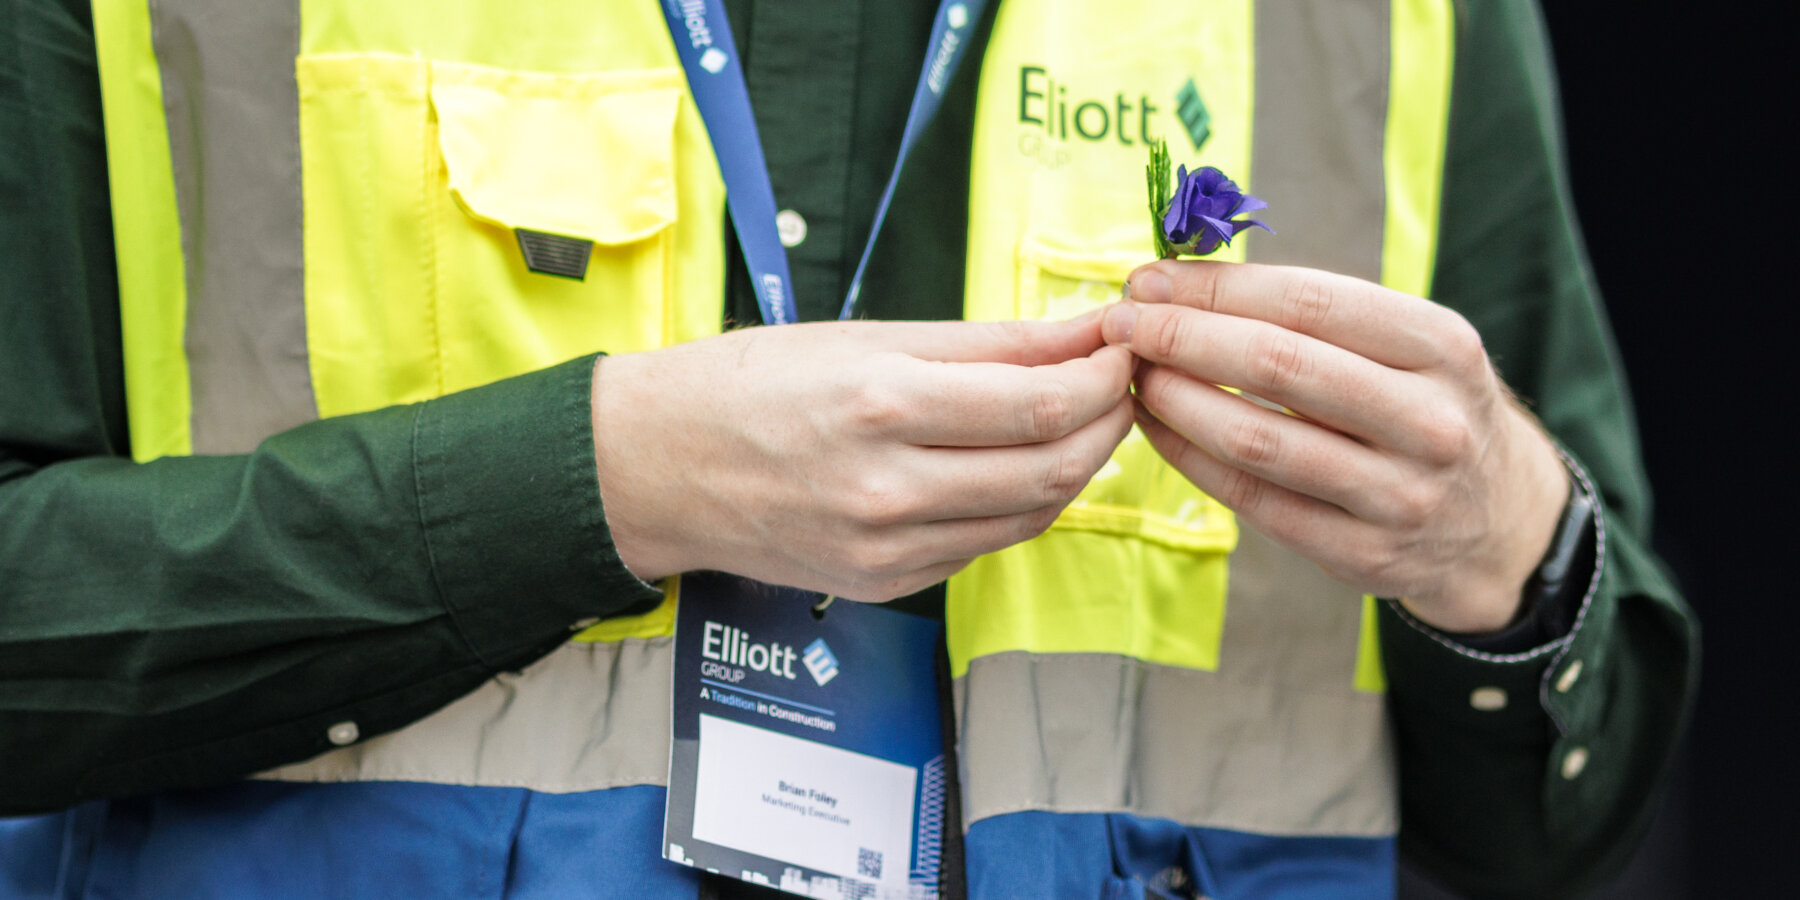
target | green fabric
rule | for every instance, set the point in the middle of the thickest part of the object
(1483, 802)
(191, 620)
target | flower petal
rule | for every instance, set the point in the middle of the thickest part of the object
(1251, 203)
(1174, 223)
(1219, 227)
(1241, 224)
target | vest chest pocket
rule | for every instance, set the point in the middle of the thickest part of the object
(418, 177)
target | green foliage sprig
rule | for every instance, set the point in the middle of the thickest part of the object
(1157, 173)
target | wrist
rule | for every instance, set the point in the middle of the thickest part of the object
(1490, 594)
(621, 467)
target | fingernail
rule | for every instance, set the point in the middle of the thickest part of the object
(1151, 286)
(1121, 318)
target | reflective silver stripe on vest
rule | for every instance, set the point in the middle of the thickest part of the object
(1317, 132)
(234, 141)
(588, 716)
(1275, 742)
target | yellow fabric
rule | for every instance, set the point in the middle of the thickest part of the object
(146, 232)
(590, 156)
(1371, 675)
(1057, 220)
(552, 36)
(427, 138)
(1423, 41)
(659, 622)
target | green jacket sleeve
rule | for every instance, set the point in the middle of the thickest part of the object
(1552, 792)
(187, 620)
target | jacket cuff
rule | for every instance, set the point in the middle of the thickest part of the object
(509, 504)
(1478, 680)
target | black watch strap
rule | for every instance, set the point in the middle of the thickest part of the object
(1561, 580)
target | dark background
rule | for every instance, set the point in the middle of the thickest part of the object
(1676, 133)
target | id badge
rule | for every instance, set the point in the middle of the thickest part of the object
(807, 752)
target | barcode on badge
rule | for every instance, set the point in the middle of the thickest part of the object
(868, 863)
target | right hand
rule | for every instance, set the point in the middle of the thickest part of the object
(863, 459)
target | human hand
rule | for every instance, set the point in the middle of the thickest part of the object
(1406, 469)
(862, 459)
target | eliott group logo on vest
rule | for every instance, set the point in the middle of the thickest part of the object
(1052, 118)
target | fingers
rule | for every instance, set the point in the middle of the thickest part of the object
(1312, 527)
(1316, 379)
(1387, 326)
(1023, 478)
(918, 485)
(994, 404)
(905, 559)
(948, 505)
(1280, 449)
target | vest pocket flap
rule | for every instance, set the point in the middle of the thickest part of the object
(588, 156)
(1055, 283)
(1087, 264)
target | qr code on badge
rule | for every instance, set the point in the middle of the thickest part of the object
(868, 863)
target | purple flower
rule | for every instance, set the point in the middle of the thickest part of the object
(1200, 215)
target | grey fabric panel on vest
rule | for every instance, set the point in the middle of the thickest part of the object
(234, 139)
(586, 717)
(1318, 130)
(1286, 621)
(1092, 732)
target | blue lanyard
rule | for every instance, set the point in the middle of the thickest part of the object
(709, 55)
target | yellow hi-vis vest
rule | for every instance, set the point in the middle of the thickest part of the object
(315, 209)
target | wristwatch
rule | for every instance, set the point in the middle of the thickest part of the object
(1560, 574)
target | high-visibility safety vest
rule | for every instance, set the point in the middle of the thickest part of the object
(316, 205)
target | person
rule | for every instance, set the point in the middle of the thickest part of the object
(307, 491)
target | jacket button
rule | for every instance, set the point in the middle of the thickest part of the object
(1488, 699)
(1567, 679)
(1573, 762)
(790, 226)
(343, 734)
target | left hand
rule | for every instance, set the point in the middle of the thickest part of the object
(1406, 467)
